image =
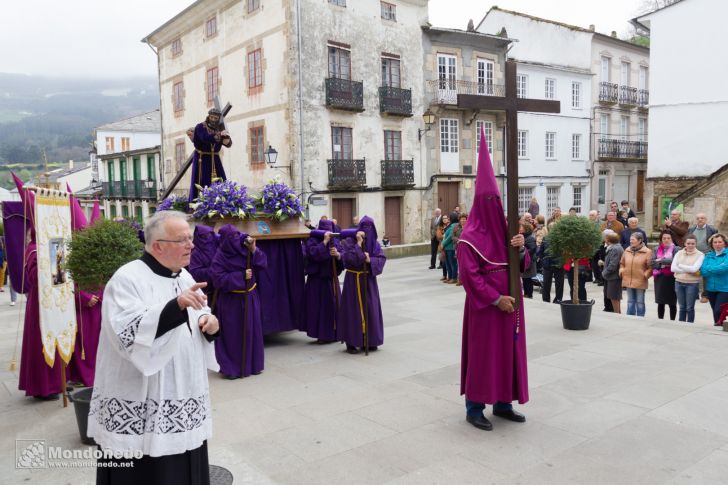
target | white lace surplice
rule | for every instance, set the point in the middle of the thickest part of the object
(150, 394)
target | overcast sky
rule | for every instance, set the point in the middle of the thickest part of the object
(101, 38)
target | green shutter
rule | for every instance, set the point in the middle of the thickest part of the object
(122, 176)
(139, 216)
(110, 165)
(125, 211)
(113, 211)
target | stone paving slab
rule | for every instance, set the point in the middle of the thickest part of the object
(631, 400)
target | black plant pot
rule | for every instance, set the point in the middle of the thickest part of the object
(576, 316)
(81, 400)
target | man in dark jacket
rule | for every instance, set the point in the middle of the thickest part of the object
(552, 268)
(632, 227)
(677, 228)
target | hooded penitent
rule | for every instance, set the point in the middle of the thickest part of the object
(206, 243)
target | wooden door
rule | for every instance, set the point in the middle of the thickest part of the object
(640, 191)
(343, 211)
(393, 219)
(447, 196)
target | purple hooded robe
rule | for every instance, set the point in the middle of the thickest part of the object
(206, 243)
(205, 157)
(228, 276)
(322, 286)
(493, 367)
(349, 325)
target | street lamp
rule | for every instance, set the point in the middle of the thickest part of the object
(429, 118)
(149, 184)
(271, 155)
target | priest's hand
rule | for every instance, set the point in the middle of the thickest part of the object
(208, 324)
(93, 301)
(505, 304)
(193, 298)
(518, 241)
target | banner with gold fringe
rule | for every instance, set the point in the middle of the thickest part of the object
(55, 287)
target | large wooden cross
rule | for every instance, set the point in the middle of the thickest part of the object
(511, 104)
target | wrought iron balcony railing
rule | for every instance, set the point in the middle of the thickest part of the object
(617, 148)
(395, 101)
(446, 91)
(608, 93)
(643, 98)
(344, 94)
(347, 174)
(131, 189)
(627, 96)
(398, 173)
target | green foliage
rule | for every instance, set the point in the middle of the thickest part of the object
(640, 40)
(99, 250)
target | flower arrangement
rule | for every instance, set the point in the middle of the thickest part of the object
(175, 203)
(223, 199)
(279, 201)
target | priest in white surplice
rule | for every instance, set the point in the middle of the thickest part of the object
(151, 391)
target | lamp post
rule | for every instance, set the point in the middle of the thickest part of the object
(429, 118)
(271, 155)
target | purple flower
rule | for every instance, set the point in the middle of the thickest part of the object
(279, 201)
(174, 202)
(223, 199)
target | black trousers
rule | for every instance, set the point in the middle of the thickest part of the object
(558, 275)
(434, 243)
(581, 292)
(596, 269)
(527, 287)
(716, 299)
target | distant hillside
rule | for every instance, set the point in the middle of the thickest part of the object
(59, 115)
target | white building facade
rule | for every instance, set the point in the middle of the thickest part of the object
(688, 113)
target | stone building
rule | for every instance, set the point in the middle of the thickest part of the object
(688, 115)
(334, 87)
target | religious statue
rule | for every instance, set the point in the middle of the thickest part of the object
(208, 137)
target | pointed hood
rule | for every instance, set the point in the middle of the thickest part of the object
(27, 197)
(205, 241)
(486, 230)
(96, 212)
(366, 224)
(326, 225)
(231, 244)
(78, 218)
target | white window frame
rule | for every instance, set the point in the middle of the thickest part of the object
(606, 68)
(576, 146)
(488, 129)
(624, 128)
(604, 121)
(625, 69)
(577, 197)
(550, 88)
(485, 72)
(449, 132)
(552, 198)
(521, 86)
(642, 129)
(550, 145)
(525, 194)
(522, 143)
(643, 76)
(575, 95)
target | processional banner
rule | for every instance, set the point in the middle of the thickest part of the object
(55, 287)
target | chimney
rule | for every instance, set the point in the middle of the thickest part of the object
(614, 34)
(591, 27)
(70, 165)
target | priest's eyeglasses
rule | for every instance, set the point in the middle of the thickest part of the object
(186, 240)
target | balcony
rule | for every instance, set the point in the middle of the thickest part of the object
(347, 174)
(643, 98)
(608, 93)
(395, 101)
(627, 96)
(131, 189)
(449, 92)
(615, 148)
(398, 173)
(344, 94)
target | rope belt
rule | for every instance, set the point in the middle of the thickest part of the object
(211, 154)
(245, 291)
(358, 294)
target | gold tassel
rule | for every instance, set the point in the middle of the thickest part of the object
(83, 354)
(13, 364)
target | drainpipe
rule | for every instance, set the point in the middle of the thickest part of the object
(299, 40)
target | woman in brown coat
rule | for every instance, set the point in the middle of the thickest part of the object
(635, 270)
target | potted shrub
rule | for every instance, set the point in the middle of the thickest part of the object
(574, 237)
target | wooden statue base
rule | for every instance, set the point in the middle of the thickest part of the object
(262, 228)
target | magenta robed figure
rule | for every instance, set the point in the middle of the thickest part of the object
(322, 290)
(360, 306)
(493, 367)
(82, 367)
(208, 138)
(239, 349)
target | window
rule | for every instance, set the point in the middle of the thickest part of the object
(550, 88)
(525, 194)
(211, 27)
(109, 144)
(485, 76)
(577, 198)
(449, 136)
(212, 84)
(624, 74)
(550, 151)
(176, 47)
(522, 143)
(552, 198)
(389, 11)
(125, 211)
(340, 3)
(576, 95)
(138, 212)
(643, 129)
(179, 155)
(624, 128)
(125, 143)
(447, 72)
(257, 145)
(604, 121)
(606, 68)
(487, 127)
(113, 211)
(643, 77)
(110, 165)
(521, 86)
(178, 96)
(339, 63)
(255, 69)
(151, 175)
(392, 145)
(253, 5)
(341, 143)
(575, 146)
(390, 72)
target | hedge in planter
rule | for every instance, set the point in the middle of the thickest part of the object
(574, 237)
(99, 250)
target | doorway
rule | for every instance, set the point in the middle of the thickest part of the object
(393, 219)
(343, 211)
(447, 196)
